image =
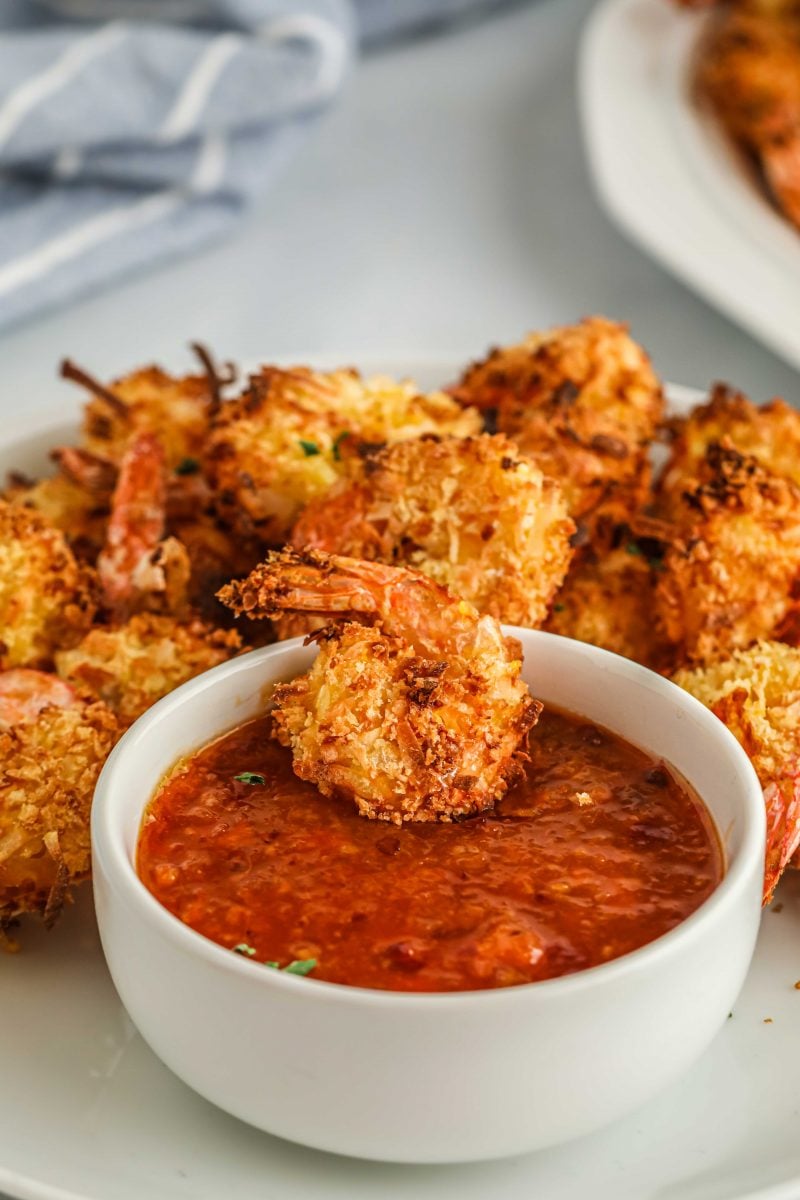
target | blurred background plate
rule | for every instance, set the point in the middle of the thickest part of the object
(669, 177)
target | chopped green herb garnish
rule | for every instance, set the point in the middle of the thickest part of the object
(559, 607)
(187, 466)
(302, 966)
(337, 441)
(251, 777)
(632, 548)
(310, 448)
(243, 948)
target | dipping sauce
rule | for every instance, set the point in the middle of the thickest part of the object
(595, 852)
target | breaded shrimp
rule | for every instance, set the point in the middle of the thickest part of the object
(770, 433)
(52, 746)
(582, 400)
(133, 665)
(730, 576)
(78, 513)
(471, 513)
(420, 717)
(280, 445)
(756, 692)
(748, 71)
(47, 598)
(138, 568)
(607, 599)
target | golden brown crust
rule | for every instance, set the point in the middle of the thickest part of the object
(582, 400)
(134, 665)
(48, 769)
(471, 513)
(47, 599)
(280, 445)
(729, 577)
(756, 692)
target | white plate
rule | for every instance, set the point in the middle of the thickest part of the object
(671, 180)
(88, 1113)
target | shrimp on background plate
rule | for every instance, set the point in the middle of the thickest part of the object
(53, 743)
(420, 715)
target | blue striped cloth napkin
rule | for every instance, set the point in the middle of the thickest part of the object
(133, 130)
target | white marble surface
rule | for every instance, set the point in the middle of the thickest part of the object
(445, 204)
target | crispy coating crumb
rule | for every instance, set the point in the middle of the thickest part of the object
(280, 445)
(134, 665)
(471, 513)
(48, 768)
(729, 578)
(756, 692)
(418, 718)
(47, 599)
(68, 507)
(748, 71)
(607, 600)
(582, 400)
(770, 433)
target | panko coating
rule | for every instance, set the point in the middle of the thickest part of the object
(582, 400)
(748, 71)
(608, 599)
(279, 446)
(730, 576)
(420, 717)
(176, 409)
(52, 746)
(769, 432)
(133, 665)
(67, 506)
(471, 513)
(47, 598)
(756, 692)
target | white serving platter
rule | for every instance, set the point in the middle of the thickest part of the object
(88, 1113)
(669, 177)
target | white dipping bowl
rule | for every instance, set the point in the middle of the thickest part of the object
(445, 1077)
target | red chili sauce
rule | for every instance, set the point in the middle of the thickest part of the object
(598, 850)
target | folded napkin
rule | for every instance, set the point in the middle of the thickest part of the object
(133, 130)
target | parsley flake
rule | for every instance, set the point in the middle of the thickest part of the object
(187, 466)
(302, 966)
(251, 777)
(632, 548)
(337, 441)
(309, 448)
(559, 607)
(244, 949)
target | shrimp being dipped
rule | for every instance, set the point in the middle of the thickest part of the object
(138, 568)
(52, 746)
(421, 715)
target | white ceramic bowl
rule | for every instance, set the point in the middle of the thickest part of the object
(442, 1077)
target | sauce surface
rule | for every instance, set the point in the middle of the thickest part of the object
(595, 852)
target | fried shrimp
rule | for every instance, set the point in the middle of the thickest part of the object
(420, 716)
(135, 664)
(729, 578)
(582, 400)
(52, 746)
(138, 568)
(607, 600)
(748, 71)
(47, 598)
(280, 445)
(471, 513)
(67, 506)
(756, 692)
(770, 433)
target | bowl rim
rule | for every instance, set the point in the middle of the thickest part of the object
(120, 870)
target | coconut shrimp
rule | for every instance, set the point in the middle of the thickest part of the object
(583, 401)
(47, 598)
(283, 443)
(52, 746)
(138, 568)
(748, 71)
(420, 715)
(472, 513)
